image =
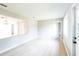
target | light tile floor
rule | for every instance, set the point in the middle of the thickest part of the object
(36, 47)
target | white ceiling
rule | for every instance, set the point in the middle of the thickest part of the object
(39, 11)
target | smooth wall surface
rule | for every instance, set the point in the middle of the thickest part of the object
(48, 29)
(68, 30)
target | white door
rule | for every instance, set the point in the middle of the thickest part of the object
(77, 37)
(77, 30)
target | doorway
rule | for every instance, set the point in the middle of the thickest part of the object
(76, 31)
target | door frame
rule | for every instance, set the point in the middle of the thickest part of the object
(74, 33)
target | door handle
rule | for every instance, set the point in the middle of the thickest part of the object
(74, 42)
(75, 38)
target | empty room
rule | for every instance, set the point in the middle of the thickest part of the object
(39, 29)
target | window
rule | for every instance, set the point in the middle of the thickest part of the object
(11, 26)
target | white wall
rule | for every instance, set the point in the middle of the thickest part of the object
(68, 30)
(32, 25)
(48, 29)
